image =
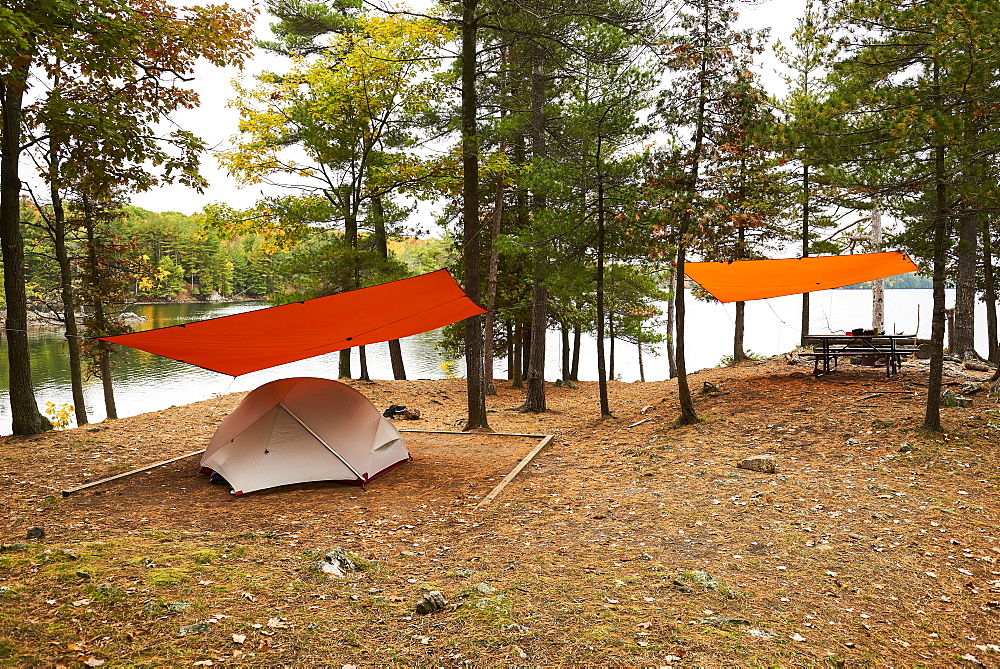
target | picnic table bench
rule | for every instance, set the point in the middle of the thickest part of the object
(828, 349)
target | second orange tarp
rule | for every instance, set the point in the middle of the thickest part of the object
(758, 279)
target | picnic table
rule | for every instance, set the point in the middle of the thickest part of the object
(828, 349)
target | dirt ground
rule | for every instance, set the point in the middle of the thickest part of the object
(627, 541)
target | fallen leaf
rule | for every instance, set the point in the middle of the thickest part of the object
(239, 638)
(93, 662)
(203, 663)
(276, 622)
(644, 625)
(81, 602)
(797, 637)
(74, 646)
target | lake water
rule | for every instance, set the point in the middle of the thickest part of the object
(148, 382)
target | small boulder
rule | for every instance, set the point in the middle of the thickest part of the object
(694, 579)
(723, 621)
(410, 414)
(336, 562)
(971, 387)
(431, 602)
(196, 628)
(35, 533)
(764, 464)
(950, 400)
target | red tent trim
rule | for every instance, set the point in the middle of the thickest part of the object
(241, 343)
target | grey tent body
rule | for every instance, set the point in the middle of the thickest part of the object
(303, 429)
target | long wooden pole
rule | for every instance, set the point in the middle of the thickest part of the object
(130, 473)
(514, 472)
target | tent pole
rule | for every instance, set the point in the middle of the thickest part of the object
(320, 440)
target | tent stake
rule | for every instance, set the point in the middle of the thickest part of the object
(134, 471)
(517, 470)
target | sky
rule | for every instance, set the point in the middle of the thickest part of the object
(216, 123)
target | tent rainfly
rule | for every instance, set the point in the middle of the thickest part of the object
(255, 340)
(303, 429)
(758, 279)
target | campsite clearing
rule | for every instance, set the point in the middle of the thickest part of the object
(626, 541)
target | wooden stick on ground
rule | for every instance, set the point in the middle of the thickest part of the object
(488, 434)
(134, 471)
(514, 472)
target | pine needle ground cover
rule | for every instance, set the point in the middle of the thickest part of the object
(626, 542)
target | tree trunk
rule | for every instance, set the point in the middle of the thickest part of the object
(489, 385)
(574, 371)
(25, 417)
(949, 329)
(476, 397)
(382, 243)
(66, 293)
(525, 350)
(671, 359)
(739, 355)
(534, 401)
(688, 414)
(100, 316)
(878, 285)
(602, 378)
(932, 415)
(344, 364)
(990, 293)
(510, 350)
(965, 286)
(564, 328)
(516, 363)
(535, 397)
(396, 360)
(642, 370)
(806, 194)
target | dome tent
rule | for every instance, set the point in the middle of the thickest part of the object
(303, 429)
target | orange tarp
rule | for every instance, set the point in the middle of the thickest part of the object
(264, 338)
(757, 279)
